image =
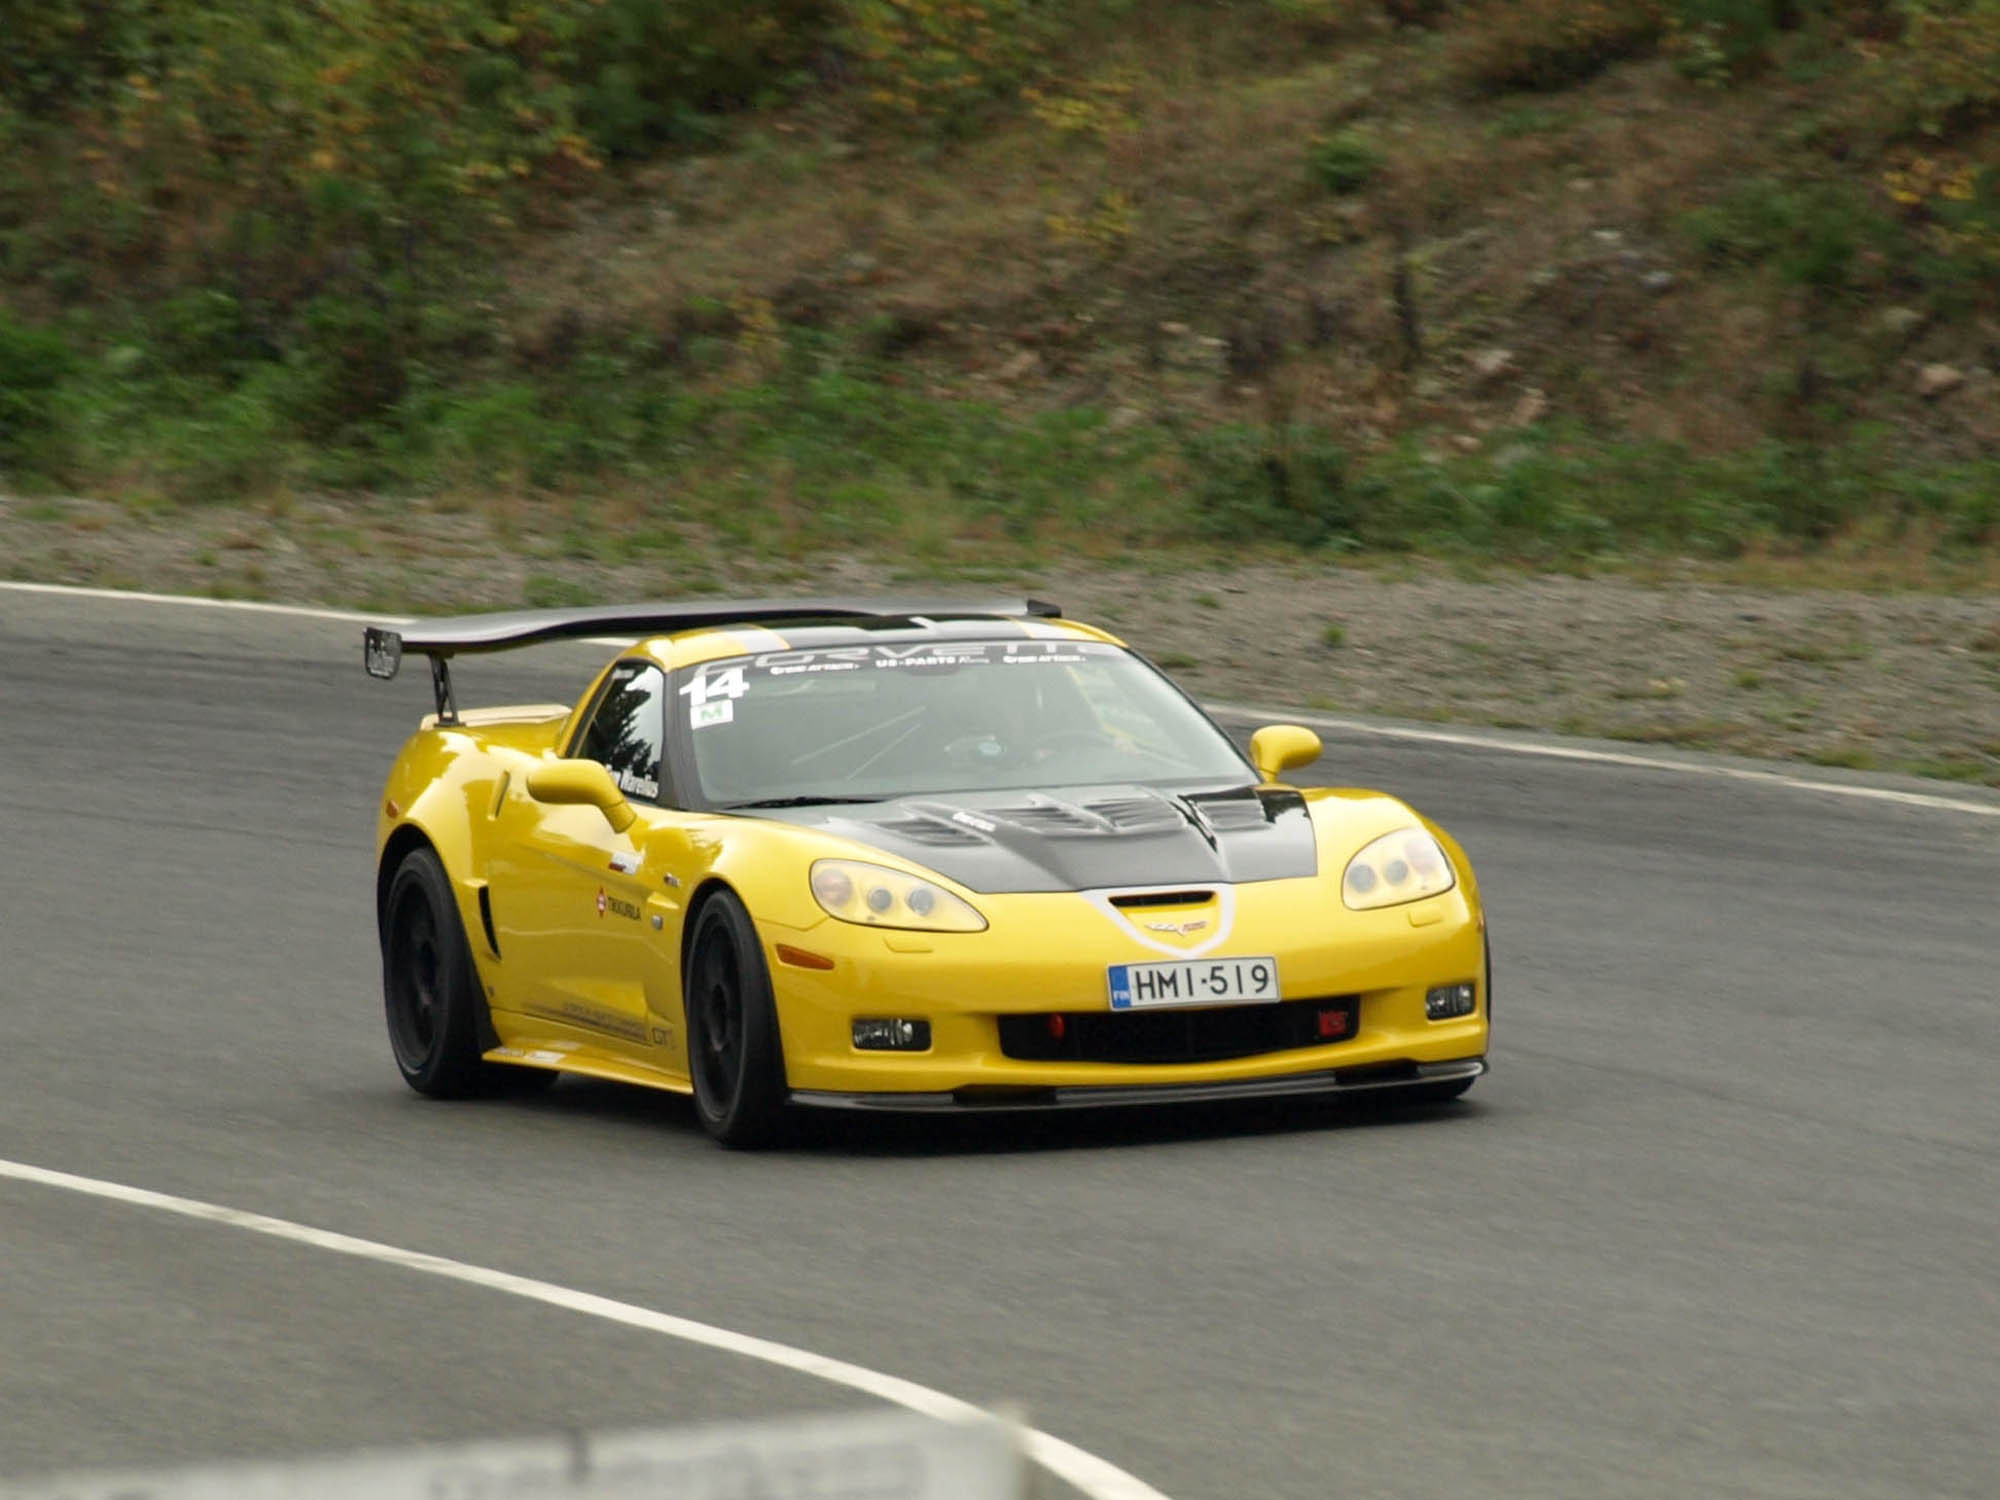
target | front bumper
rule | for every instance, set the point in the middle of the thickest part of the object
(1048, 953)
(1360, 1080)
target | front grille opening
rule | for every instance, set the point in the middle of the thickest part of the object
(1163, 898)
(1196, 1034)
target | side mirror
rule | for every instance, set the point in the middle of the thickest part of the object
(582, 783)
(1277, 748)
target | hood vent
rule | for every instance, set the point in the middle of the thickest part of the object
(1138, 814)
(1143, 813)
(1233, 812)
(1049, 817)
(932, 832)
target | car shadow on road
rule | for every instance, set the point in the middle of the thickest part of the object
(1097, 1129)
(825, 1132)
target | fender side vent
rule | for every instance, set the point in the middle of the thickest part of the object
(486, 921)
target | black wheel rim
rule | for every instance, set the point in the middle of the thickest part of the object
(715, 1000)
(416, 1007)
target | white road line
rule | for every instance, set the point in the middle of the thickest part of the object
(1472, 740)
(249, 606)
(1467, 739)
(253, 606)
(1092, 1475)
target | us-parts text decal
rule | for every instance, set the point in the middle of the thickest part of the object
(726, 682)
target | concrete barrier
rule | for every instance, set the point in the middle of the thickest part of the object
(890, 1455)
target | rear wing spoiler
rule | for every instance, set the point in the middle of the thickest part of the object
(383, 649)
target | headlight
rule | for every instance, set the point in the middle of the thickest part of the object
(1403, 866)
(876, 896)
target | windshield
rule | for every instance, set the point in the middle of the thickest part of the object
(868, 722)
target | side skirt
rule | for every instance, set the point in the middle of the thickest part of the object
(586, 1062)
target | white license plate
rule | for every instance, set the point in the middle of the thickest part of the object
(1194, 981)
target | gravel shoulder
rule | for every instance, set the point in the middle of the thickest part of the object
(1897, 681)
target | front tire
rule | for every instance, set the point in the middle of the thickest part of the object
(431, 994)
(735, 1059)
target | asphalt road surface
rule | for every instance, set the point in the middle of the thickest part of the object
(1724, 1220)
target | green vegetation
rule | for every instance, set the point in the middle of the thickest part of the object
(900, 274)
(34, 363)
(1345, 162)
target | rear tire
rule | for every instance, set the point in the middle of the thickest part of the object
(431, 995)
(735, 1058)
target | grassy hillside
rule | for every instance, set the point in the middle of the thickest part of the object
(1546, 279)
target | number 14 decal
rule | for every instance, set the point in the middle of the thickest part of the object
(728, 683)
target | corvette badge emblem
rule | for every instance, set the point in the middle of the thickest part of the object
(1178, 929)
(600, 901)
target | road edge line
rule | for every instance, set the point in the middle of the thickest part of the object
(1096, 1477)
(1471, 739)
(1466, 739)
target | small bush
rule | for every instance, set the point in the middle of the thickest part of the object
(205, 332)
(1717, 40)
(1952, 213)
(1943, 80)
(33, 364)
(1973, 514)
(1344, 162)
(1539, 505)
(232, 446)
(56, 55)
(942, 67)
(1552, 44)
(649, 72)
(1286, 484)
(1801, 495)
(349, 364)
(1812, 233)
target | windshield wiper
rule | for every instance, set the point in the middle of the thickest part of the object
(794, 802)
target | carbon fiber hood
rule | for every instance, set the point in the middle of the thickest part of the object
(1085, 838)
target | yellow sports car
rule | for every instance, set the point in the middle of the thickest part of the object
(899, 855)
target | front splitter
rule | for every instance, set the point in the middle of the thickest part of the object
(1107, 1096)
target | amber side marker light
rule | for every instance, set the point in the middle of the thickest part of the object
(800, 958)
